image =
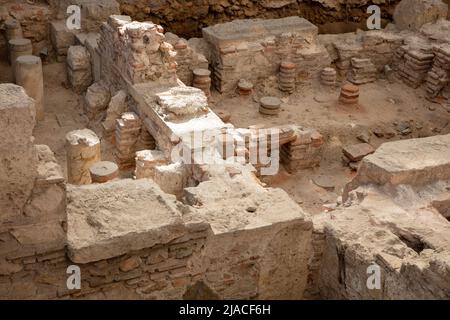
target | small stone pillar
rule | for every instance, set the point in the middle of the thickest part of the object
(13, 29)
(83, 150)
(103, 171)
(287, 76)
(28, 74)
(19, 47)
(328, 77)
(202, 80)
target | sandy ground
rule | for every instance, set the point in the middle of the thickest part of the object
(381, 104)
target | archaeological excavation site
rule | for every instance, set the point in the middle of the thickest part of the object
(224, 150)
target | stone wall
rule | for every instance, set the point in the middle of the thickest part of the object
(188, 18)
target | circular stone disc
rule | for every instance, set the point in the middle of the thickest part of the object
(270, 102)
(287, 65)
(202, 72)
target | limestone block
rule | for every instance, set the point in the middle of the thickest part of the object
(78, 58)
(17, 155)
(171, 178)
(116, 223)
(19, 47)
(40, 238)
(413, 14)
(83, 150)
(79, 80)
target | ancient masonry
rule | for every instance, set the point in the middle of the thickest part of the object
(162, 197)
(238, 52)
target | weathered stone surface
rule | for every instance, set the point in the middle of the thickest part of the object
(83, 150)
(99, 227)
(103, 171)
(413, 14)
(116, 107)
(61, 37)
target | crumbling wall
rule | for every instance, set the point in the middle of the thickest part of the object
(32, 201)
(134, 52)
(187, 19)
(254, 49)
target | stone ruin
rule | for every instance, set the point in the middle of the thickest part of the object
(127, 198)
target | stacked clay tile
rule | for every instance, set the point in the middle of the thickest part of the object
(128, 128)
(349, 94)
(286, 77)
(439, 76)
